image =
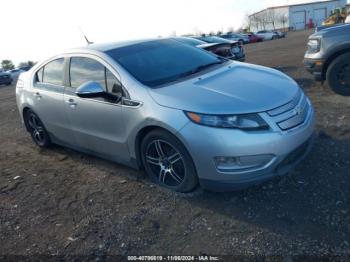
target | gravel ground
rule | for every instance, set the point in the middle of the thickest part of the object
(61, 202)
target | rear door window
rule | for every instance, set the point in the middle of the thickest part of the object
(53, 72)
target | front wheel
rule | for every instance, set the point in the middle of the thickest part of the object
(338, 75)
(36, 129)
(167, 162)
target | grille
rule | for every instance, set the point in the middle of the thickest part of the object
(292, 114)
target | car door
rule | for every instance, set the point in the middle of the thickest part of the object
(97, 123)
(47, 99)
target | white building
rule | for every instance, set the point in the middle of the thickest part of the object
(294, 17)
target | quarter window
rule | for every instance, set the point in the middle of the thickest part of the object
(113, 84)
(39, 75)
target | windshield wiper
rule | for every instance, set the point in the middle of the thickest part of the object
(201, 68)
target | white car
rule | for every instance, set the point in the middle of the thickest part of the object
(267, 35)
(347, 20)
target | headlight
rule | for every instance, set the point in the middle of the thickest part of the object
(245, 121)
(314, 45)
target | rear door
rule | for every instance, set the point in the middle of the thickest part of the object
(47, 99)
(96, 122)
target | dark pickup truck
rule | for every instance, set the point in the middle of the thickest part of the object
(328, 57)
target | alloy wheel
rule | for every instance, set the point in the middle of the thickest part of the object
(36, 128)
(166, 163)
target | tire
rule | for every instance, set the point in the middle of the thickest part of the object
(36, 129)
(338, 75)
(241, 41)
(167, 162)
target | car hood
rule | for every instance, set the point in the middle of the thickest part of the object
(236, 88)
(321, 30)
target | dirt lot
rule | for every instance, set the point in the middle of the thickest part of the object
(61, 202)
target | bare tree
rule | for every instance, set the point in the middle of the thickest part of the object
(283, 19)
(271, 17)
(247, 22)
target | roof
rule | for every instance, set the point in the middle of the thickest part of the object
(284, 6)
(108, 46)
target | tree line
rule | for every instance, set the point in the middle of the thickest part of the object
(269, 17)
(9, 65)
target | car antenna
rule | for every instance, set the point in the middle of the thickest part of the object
(87, 40)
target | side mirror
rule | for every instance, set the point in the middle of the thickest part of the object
(89, 90)
(93, 89)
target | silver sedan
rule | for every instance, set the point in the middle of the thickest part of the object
(185, 116)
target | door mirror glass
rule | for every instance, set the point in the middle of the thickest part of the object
(93, 89)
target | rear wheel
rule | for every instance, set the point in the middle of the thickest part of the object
(167, 162)
(338, 75)
(36, 129)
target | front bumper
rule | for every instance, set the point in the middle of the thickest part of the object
(315, 67)
(288, 148)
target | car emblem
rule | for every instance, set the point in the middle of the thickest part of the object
(298, 110)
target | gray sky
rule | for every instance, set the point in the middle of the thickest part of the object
(36, 29)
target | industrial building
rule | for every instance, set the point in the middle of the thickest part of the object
(294, 17)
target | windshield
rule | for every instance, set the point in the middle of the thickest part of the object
(158, 62)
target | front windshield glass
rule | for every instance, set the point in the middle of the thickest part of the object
(158, 62)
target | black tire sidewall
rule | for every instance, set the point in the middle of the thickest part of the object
(331, 75)
(47, 141)
(191, 180)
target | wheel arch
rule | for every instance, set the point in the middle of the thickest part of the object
(140, 136)
(332, 58)
(24, 111)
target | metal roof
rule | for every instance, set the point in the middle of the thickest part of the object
(283, 6)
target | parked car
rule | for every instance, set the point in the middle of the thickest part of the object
(347, 20)
(228, 49)
(236, 37)
(267, 35)
(186, 116)
(280, 34)
(235, 48)
(15, 73)
(328, 57)
(25, 68)
(5, 78)
(253, 38)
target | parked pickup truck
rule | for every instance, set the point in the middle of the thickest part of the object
(328, 57)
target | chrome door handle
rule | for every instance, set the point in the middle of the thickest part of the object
(37, 95)
(71, 103)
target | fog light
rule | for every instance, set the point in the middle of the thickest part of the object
(241, 163)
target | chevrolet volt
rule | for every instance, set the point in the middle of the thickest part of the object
(184, 115)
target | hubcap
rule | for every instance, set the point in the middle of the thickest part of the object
(344, 75)
(36, 128)
(166, 163)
